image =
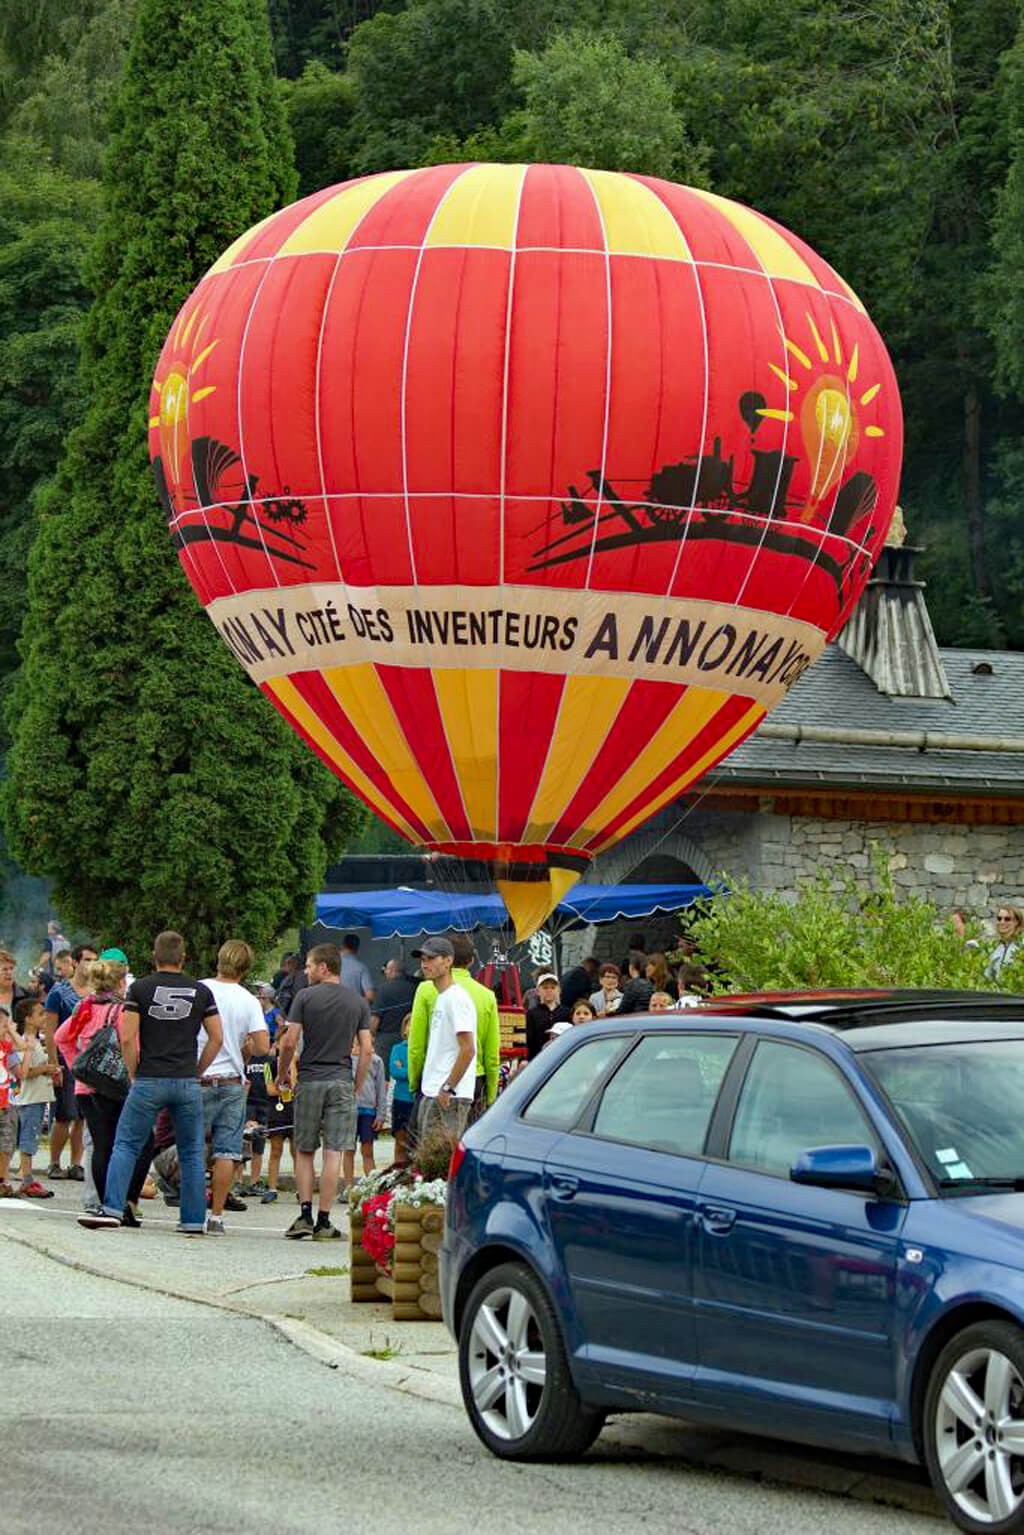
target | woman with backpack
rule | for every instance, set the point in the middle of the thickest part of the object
(101, 1109)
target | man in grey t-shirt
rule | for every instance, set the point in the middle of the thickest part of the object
(331, 1019)
(353, 972)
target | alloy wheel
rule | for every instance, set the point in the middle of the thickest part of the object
(979, 1435)
(507, 1363)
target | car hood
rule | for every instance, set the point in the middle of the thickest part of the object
(1004, 1212)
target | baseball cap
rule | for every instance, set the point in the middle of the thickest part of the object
(435, 948)
(548, 975)
(117, 955)
(558, 1028)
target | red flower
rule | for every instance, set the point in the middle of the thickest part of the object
(378, 1238)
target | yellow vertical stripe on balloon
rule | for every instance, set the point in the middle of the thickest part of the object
(479, 208)
(589, 709)
(753, 717)
(695, 709)
(330, 227)
(299, 709)
(236, 248)
(365, 701)
(773, 252)
(468, 701)
(636, 221)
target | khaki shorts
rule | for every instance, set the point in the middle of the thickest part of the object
(8, 1129)
(325, 1111)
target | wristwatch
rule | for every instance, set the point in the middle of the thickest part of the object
(449, 1089)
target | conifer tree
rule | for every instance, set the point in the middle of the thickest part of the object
(147, 777)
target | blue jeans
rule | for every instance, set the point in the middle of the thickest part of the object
(147, 1097)
(224, 1118)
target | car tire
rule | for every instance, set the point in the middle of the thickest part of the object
(973, 1428)
(514, 1372)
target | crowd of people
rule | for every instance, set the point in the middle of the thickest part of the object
(170, 1083)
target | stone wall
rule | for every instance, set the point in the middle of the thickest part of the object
(970, 866)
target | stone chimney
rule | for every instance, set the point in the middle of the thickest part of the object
(889, 633)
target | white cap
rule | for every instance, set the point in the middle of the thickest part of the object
(558, 1028)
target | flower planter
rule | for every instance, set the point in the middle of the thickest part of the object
(363, 1270)
(409, 1279)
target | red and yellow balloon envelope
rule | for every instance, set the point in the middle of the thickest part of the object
(523, 492)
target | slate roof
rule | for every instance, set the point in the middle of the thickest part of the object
(835, 692)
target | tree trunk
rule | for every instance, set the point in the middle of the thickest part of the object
(972, 491)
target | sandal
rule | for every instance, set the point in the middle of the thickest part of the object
(34, 1190)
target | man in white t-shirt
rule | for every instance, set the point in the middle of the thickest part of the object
(449, 1070)
(223, 1083)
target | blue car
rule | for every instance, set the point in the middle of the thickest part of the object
(800, 1215)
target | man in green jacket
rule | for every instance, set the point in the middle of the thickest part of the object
(488, 1031)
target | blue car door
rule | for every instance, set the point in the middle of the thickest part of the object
(796, 1285)
(621, 1196)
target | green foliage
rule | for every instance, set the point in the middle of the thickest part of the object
(585, 101)
(841, 933)
(439, 68)
(147, 777)
(46, 217)
(66, 101)
(319, 106)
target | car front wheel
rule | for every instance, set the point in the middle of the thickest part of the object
(974, 1428)
(514, 1372)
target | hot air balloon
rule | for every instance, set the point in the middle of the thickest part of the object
(523, 492)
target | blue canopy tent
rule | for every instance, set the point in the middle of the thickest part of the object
(407, 913)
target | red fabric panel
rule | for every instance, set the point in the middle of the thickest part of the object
(644, 711)
(415, 704)
(325, 706)
(528, 713)
(701, 743)
(453, 414)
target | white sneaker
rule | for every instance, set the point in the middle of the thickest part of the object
(214, 1226)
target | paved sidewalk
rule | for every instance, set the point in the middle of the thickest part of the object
(252, 1267)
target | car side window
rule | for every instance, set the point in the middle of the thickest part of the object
(566, 1091)
(792, 1100)
(663, 1094)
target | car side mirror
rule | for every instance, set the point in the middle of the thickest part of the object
(844, 1167)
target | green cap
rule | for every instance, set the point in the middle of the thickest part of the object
(118, 955)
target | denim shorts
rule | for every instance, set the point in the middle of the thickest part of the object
(30, 1125)
(365, 1133)
(224, 1118)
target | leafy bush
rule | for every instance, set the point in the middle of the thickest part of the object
(755, 940)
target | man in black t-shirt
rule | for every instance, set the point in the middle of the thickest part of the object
(159, 1027)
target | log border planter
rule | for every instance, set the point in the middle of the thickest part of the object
(412, 1285)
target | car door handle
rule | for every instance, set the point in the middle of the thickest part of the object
(563, 1185)
(717, 1220)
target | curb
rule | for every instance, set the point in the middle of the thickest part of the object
(318, 1345)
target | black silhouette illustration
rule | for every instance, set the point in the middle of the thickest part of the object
(221, 485)
(699, 500)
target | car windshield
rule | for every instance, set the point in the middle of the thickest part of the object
(961, 1106)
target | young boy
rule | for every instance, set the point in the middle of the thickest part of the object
(259, 1069)
(35, 1074)
(10, 1042)
(280, 1124)
(370, 1106)
(402, 1102)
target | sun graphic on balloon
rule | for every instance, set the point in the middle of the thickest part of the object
(828, 417)
(176, 390)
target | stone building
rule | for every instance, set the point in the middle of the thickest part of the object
(888, 742)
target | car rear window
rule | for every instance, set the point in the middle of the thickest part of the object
(563, 1095)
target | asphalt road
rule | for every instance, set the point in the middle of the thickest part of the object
(127, 1411)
